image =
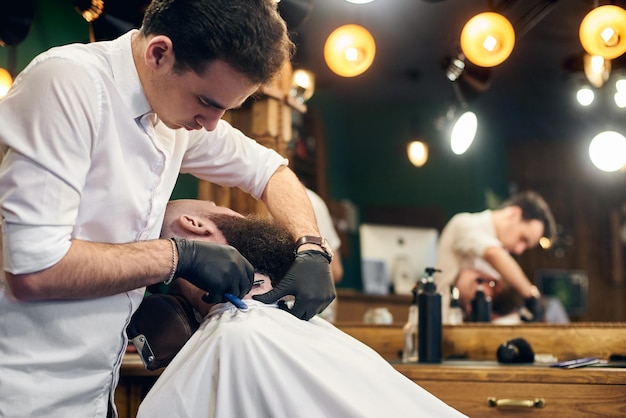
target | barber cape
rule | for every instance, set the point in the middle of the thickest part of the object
(267, 363)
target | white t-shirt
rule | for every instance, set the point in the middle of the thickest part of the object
(84, 158)
(462, 244)
(324, 220)
(268, 363)
(328, 231)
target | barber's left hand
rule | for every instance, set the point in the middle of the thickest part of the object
(309, 281)
(535, 307)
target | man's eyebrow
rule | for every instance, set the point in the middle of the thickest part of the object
(213, 103)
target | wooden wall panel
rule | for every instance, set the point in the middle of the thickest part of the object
(585, 203)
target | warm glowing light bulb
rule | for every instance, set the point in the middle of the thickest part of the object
(603, 31)
(349, 50)
(418, 153)
(545, 243)
(487, 39)
(597, 69)
(302, 85)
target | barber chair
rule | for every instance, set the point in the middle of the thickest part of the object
(160, 327)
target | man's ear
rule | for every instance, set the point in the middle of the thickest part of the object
(196, 226)
(159, 52)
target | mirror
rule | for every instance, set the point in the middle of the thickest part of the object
(531, 134)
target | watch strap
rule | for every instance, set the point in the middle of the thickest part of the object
(311, 239)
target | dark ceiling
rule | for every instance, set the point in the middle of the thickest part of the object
(531, 93)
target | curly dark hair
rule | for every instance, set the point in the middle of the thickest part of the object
(266, 245)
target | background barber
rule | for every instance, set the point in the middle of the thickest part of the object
(479, 245)
(92, 139)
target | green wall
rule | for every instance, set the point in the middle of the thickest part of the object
(366, 143)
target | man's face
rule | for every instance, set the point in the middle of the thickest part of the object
(191, 101)
(520, 235)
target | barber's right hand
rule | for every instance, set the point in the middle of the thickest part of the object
(214, 268)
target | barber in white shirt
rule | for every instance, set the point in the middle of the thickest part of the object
(93, 138)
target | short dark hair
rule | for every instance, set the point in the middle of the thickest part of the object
(249, 35)
(534, 207)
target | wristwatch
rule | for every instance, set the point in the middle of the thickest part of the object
(319, 241)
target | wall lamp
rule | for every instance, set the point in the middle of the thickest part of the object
(603, 31)
(417, 152)
(487, 39)
(302, 85)
(349, 50)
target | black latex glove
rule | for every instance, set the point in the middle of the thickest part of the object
(309, 281)
(535, 306)
(215, 268)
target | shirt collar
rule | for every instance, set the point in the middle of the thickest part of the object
(125, 76)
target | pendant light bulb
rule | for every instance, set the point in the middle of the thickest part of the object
(349, 50)
(487, 39)
(603, 32)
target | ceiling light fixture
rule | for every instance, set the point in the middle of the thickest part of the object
(463, 132)
(5, 82)
(349, 50)
(603, 31)
(487, 39)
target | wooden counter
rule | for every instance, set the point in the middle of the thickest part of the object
(486, 389)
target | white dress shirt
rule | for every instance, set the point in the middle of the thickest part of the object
(268, 363)
(84, 158)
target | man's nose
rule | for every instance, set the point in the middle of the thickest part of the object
(519, 249)
(210, 119)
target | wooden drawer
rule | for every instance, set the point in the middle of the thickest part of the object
(560, 400)
(467, 386)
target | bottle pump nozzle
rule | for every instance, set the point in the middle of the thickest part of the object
(428, 282)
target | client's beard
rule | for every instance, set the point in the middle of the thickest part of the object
(266, 245)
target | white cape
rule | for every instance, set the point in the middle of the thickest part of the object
(266, 363)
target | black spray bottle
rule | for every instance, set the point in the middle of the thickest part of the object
(481, 304)
(430, 325)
